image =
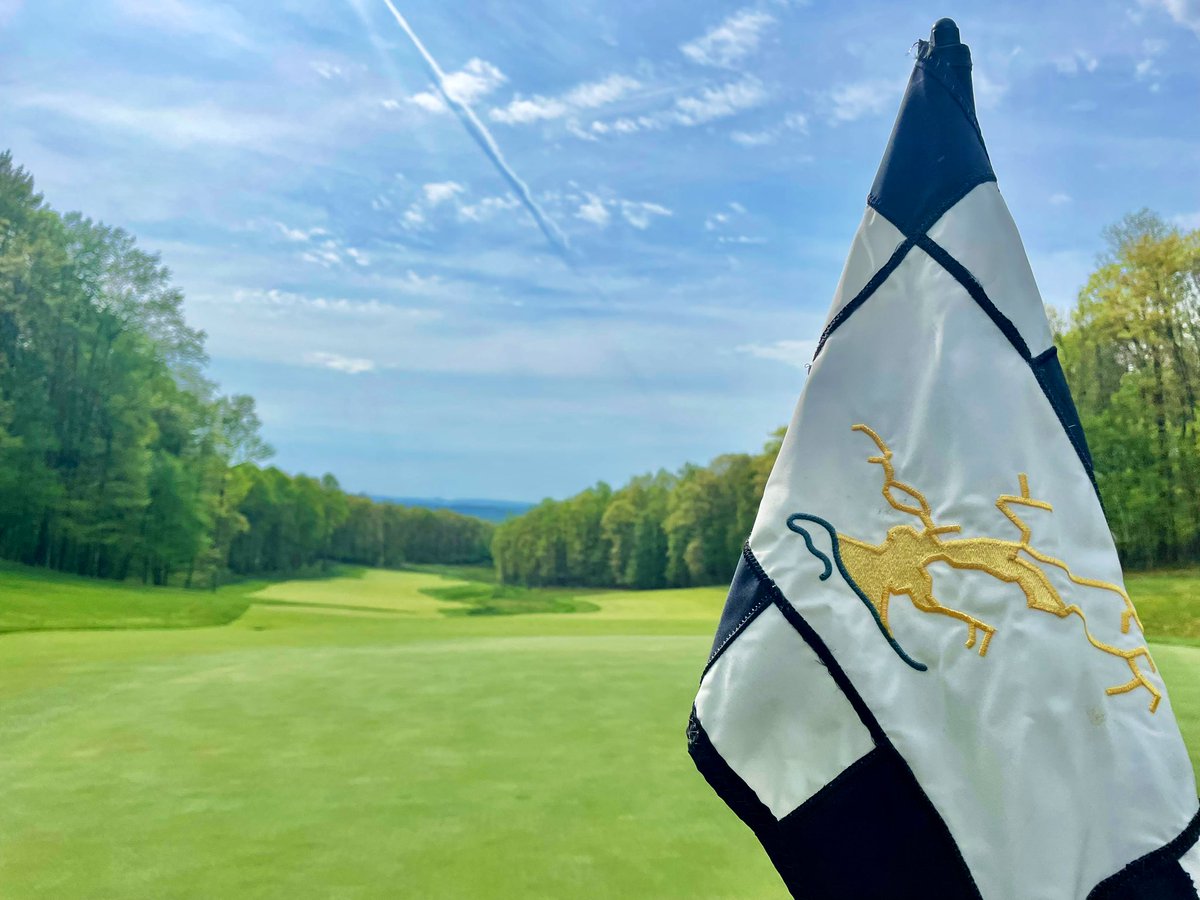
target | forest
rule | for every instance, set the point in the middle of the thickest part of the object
(1130, 348)
(120, 459)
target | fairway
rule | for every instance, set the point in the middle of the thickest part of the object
(347, 737)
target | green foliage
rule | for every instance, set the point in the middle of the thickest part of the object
(657, 531)
(1131, 352)
(117, 456)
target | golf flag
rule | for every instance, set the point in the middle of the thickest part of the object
(928, 679)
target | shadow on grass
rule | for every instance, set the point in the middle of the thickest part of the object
(482, 599)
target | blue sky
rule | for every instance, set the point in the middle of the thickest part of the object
(365, 270)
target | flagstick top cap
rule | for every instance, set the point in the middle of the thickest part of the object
(944, 34)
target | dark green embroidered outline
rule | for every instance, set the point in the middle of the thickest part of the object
(837, 556)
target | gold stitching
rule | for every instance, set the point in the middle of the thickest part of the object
(899, 567)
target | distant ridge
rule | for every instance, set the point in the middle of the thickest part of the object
(490, 510)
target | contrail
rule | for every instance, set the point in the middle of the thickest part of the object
(477, 130)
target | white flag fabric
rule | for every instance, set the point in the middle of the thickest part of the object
(928, 680)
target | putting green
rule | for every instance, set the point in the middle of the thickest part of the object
(344, 738)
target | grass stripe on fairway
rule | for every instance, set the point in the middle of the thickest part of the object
(351, 739)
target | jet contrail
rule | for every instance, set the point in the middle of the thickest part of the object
(486, 142)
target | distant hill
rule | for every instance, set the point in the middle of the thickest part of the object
(491, 510)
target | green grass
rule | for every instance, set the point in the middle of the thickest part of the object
(1168, 604)
(36, 600)
(361, 737)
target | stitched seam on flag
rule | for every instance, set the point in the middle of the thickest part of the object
(822, 796)
(1115, 887)
(746, 619)
(975, 289)
(1074, 433)
(865, 715)
(868, 289)
(814, 640)
(962, 275)
(931, 218)
(934, 72)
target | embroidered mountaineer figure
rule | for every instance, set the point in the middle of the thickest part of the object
(839, 714)
(900, 567)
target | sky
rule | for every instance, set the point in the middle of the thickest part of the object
(508, 248)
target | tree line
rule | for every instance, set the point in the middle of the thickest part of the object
(118, 456)
(1130, 348)
(662, 530)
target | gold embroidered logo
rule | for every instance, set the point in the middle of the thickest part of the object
(899, 567)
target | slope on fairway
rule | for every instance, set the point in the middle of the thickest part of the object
(345, 738)
(296, 753)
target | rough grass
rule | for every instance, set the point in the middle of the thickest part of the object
(360, 736)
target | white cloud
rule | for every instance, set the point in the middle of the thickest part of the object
(797, 122)
(1079, 61)
(639, 215)
(735, 38)
(1182, 12)
(589, 95)
(793, 353)
(358, 256)
(487, 208)
(438, 192)
(326, 254)
(849, 102)
(351, 365)
(1060, 199)
(753, 138)
(471, 83)
(413, 218)
(719, 102)
(329, 71)
(299, 235)
(988, 92)
(709, 105)
(594, 211)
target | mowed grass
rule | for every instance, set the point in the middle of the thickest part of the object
(317, 747)
(359, 737)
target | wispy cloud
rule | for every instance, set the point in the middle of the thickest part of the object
(189, 19)
(482, 137)
(731, 41)
(593, 210)
(351, 365)
(708, 105)
(183, 126)
(640, 214)
(792, 122)
(1182, 12)
(589, 95)
(794, 353)
(849, 102)
(471, 83)
(1079, 61)
(438, 192)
